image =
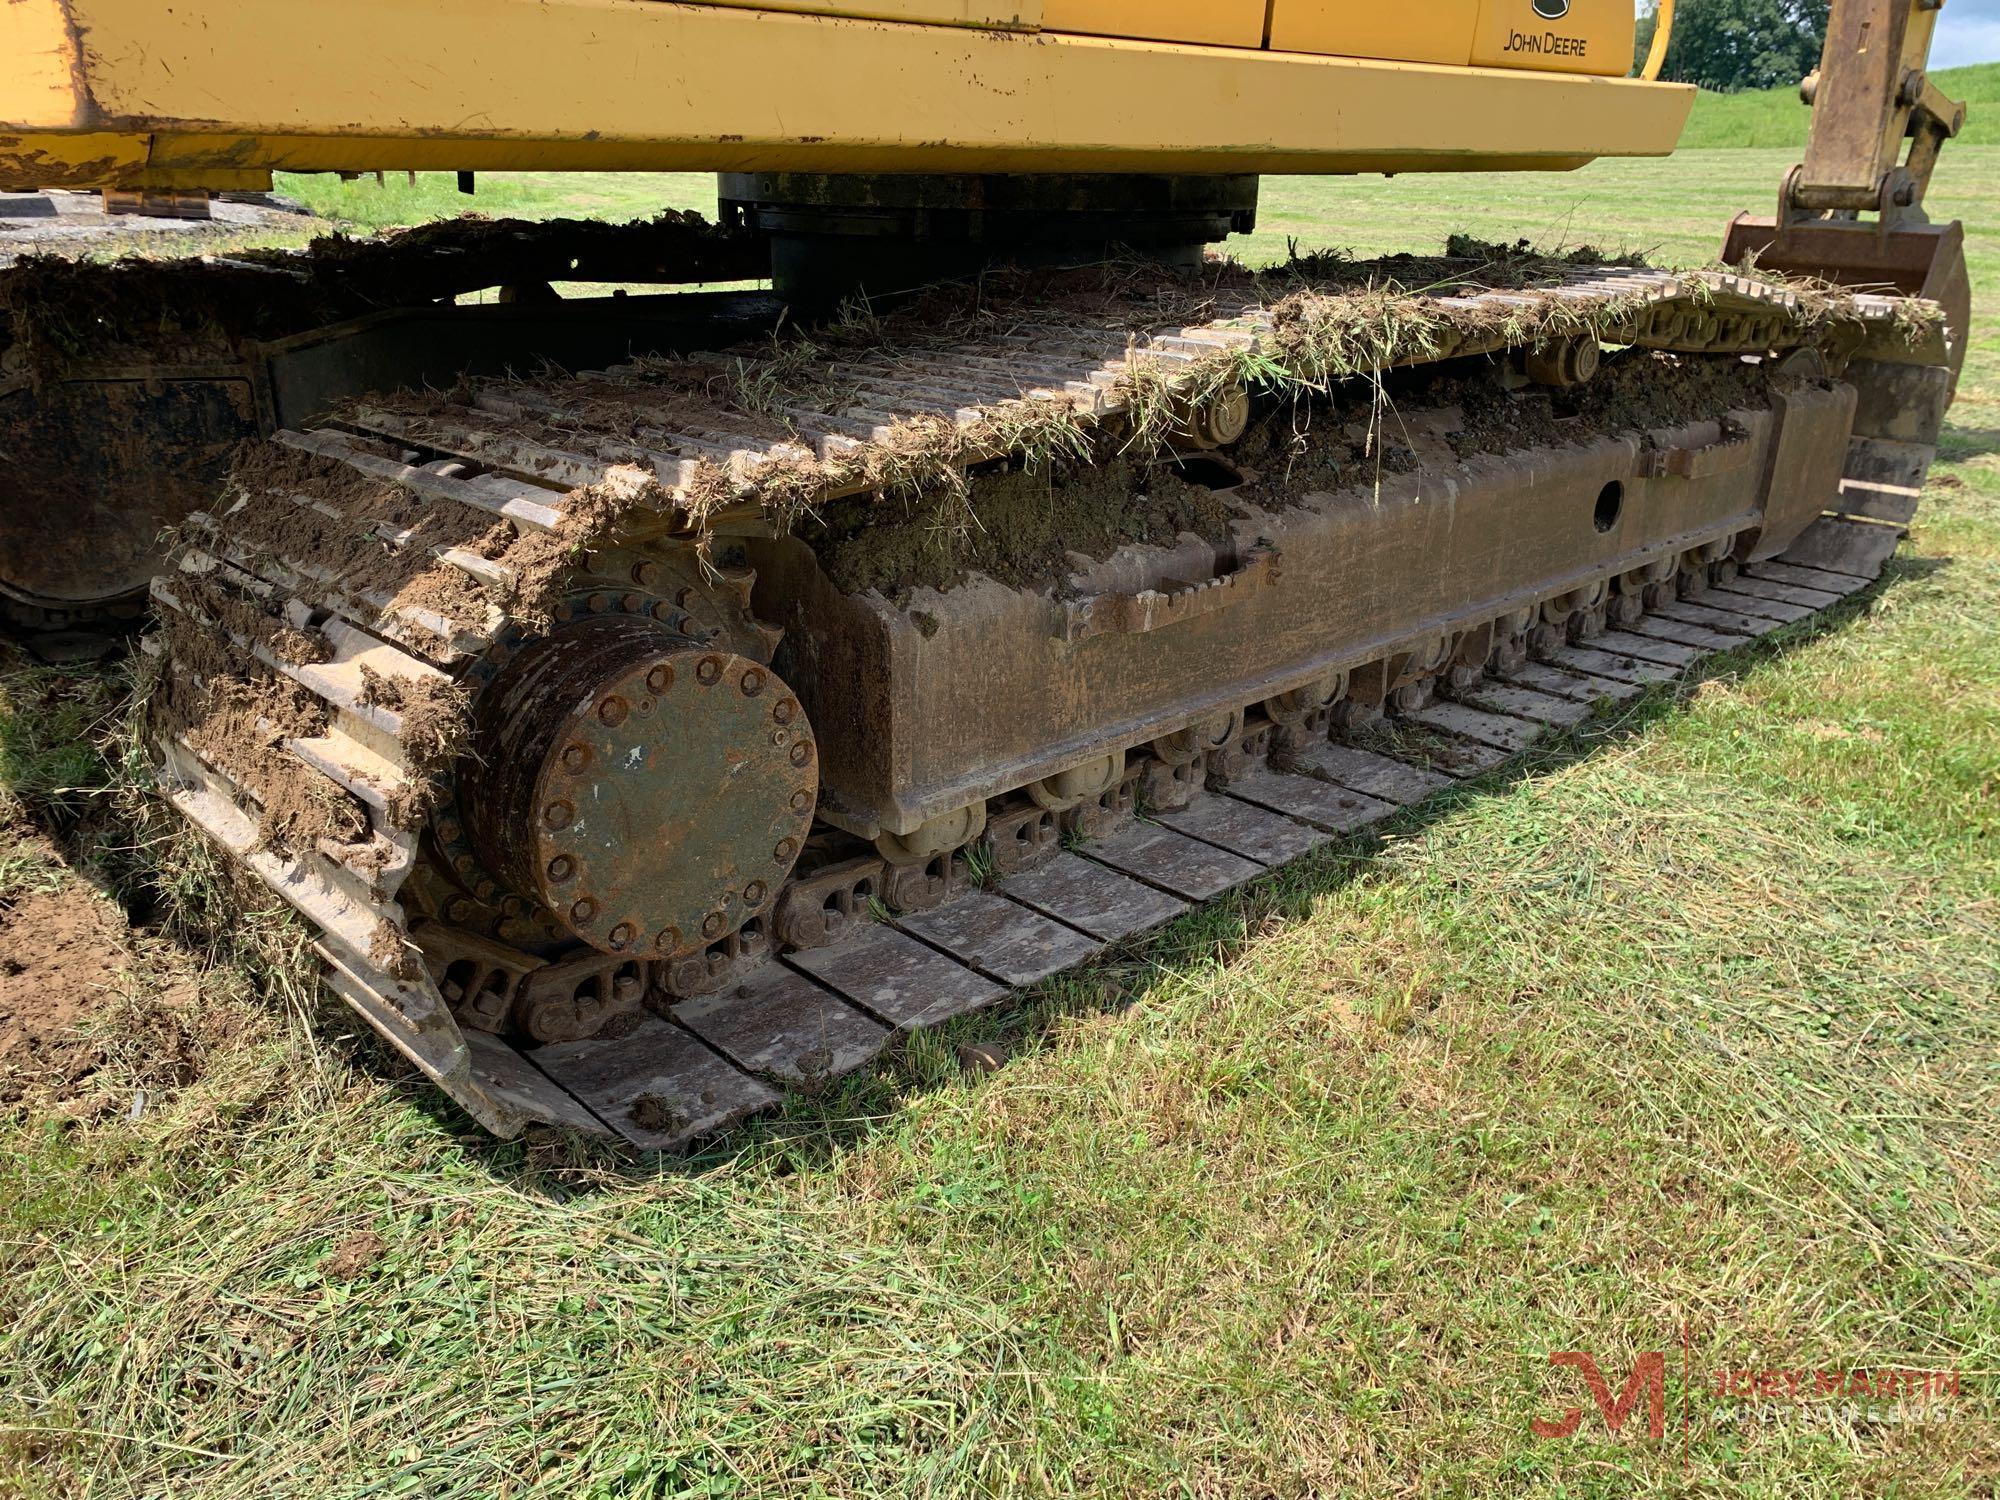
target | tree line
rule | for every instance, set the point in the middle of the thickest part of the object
(1739, 44)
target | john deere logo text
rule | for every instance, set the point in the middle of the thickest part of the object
(1546, 43)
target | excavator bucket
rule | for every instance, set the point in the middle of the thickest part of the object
(1878, 124)
(1919, 260)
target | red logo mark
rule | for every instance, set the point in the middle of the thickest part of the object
(1648, 1378)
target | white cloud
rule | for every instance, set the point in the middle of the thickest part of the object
(1968, 31)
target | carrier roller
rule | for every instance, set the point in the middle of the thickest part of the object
(643, 746)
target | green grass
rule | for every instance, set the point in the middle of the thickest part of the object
(1777, 117)
(365, 204)
(1691, 1031)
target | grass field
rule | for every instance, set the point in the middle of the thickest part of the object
(1777, 117)
(1686, 1040)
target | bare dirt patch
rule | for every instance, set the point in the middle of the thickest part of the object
(60, 954)
(95, 1017)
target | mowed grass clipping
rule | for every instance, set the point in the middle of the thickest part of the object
(1682, 1038)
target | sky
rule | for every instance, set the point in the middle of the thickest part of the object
(1968, 31)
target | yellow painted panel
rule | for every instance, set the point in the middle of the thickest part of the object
(181, 157)
(36, 55)
(1588, 36)
(1427, 31)
(1017, 15)
(1215, 23)
(639, 85)
(87, 159)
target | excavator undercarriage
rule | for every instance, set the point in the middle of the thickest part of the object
(645, 741)
(656, 704)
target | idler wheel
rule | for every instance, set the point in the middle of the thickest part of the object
(91, 471)
(1216, 421)
(651, 792)
(1563, 362)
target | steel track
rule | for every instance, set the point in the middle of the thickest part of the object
(688, 1066)
(697, 1067)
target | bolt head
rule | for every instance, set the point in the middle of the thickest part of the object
(802, 752)
(753, 682)
(612, 711)
(558, 813)
(660, 678)
(709, 671)
(753, 893)
(576, 758)
(712, 925)
(561, 868)
(784, 711)
(623, 934)
(584, 912)
(785, 850)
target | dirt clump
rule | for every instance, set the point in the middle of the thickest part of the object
(353, 1255)
(1021, 526)
(656, 1112)
(56, 311)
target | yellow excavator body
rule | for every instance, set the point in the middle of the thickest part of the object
(218, 94)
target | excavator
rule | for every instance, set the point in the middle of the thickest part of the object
(656, 704)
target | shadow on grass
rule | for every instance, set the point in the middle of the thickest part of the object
(1962, 444)
(812, 1130)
